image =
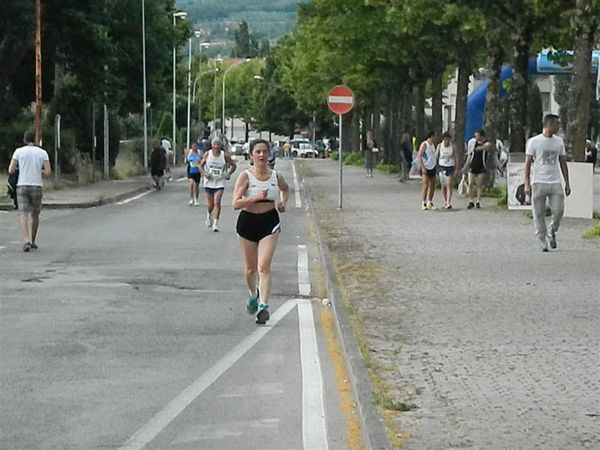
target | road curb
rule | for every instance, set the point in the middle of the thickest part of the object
(373, 428)
(87, 204)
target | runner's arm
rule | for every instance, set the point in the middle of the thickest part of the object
(420, 156)
(232, 165)
(203, 165)
(562, 159)
(528, 161)
(46, 169)
(12, 167)
(241, 186)
(284, 193)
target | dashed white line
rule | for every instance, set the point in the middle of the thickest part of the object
(133, 198)
(303, 274)
(161, 420)
(297, 198)
(314, 430)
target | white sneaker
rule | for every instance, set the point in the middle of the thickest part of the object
(208, 220)
(215, 227)
(191, 202)
(196, 202)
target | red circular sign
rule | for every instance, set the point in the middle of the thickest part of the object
(340, 100)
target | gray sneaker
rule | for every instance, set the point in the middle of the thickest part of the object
(544, 245)
(552, 239)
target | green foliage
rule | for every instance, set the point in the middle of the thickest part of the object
(354, 159)
(389, 168)
(593, 232)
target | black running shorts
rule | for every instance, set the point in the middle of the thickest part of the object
(255, 227)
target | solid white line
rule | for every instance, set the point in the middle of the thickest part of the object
(314, 430)
(340, 99)
(133, 198)
(303, 275)
(161, 420)
(2, 247)
(296, 188)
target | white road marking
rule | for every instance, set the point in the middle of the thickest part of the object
(161, 420)
(133, 198)
(2, 247)
(303, 275)
(314, 430)
(297, 198)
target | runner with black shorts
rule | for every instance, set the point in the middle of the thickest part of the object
(261, 194)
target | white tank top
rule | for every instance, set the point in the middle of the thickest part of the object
(255, 186)
(446, 155)
(215, 166)
(429, 156)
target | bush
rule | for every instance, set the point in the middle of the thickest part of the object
(354, 159)
(334, 155)
(389, 168)
(129, 162)
(593, 232)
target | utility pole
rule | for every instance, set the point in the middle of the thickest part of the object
(38, 72)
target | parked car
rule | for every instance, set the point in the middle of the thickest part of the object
(237, 149)
(303, 149)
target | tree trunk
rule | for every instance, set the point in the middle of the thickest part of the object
(585, 26)
(462, 91)
(492, 111)
(419, 99)
(355, 146)
(518, 89)
(407, 111)
(437, 86)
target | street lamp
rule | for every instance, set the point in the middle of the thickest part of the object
(201, 45)
(145, 92)
(219, 60)
(181, 15)
(197, 80)
(247, 60)
(189, 85)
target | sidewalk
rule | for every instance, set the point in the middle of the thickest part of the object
(473, 338)
(99, 193)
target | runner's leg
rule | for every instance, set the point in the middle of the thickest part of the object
(266, 250)
(250, 255)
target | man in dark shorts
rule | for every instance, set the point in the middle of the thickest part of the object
(32, 162)
(158, 162)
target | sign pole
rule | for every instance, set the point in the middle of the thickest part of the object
(341, 161)
(340, 101)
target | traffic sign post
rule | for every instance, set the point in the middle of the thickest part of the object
(340, 101)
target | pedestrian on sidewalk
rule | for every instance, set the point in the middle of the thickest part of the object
(33, 163)
(446, 158)
(427, 164)
(214, 166)
(193, 159)
(477, 150)
(545, 153)
(261, 194)
(406, 152)
(371, 152)
(158, 162)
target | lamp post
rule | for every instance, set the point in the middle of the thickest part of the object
(181, 15)
(145, 91)
(201, 45)
(38, 72)
(219, 60)
(247, 60)
(189, 86)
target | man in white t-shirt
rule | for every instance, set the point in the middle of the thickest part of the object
(546, 154)
(32, 162)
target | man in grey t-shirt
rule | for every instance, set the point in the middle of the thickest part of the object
(33, 162)
(546, 154)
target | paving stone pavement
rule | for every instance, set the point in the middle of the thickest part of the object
(493, 344)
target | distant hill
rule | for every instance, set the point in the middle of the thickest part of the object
(218, 19)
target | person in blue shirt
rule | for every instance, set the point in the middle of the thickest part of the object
(193, 159)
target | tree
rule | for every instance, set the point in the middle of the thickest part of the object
(585, 22)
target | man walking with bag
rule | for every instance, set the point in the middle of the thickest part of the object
(546, 152)
(32, 162)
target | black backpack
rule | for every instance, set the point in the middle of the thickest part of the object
(11, 186)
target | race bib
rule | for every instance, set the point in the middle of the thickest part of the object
(215, 172)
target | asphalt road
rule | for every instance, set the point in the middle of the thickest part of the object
(127, 329)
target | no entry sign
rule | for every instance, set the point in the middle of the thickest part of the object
(340, 100)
